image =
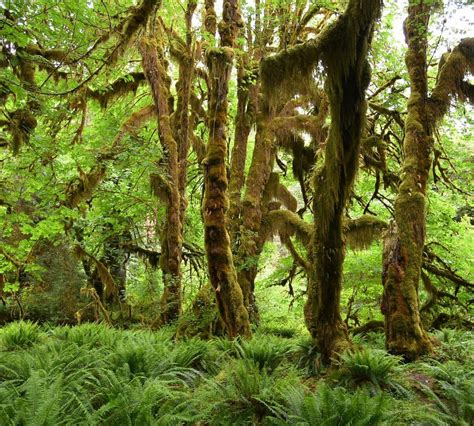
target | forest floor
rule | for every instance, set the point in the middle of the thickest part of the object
(92, 374)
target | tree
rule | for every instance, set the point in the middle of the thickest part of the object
(222, 273)
(348, 76)
(405, 242)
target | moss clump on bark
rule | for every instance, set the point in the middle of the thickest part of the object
(119, 88)
(286, 223)
(360, 233)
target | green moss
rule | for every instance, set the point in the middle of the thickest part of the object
(360, 233)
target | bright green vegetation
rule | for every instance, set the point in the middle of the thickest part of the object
(236, 212)
(93, 374)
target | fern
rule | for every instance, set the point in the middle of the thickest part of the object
(452, 390)
(369, 366)
(265, 352)
(329, 407)
(18, 335)
(309, 357)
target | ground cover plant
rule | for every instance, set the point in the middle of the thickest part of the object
(93, 374)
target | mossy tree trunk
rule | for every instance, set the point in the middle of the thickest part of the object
(404, 243)
(342, 47)
(253, 206)
(182, 127)
(348, 75)
(273, 124)
(222, 273)
(171, 240)
(247, 92)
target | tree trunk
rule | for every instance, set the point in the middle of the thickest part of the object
(348, 75)
(182, 127)
(167, 188)
(222, 273)
(246, 105)
(403, 246)
(251, 244)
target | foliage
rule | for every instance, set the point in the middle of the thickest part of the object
(19, 335)
(94, 374)
(369, 367)
(329, 406)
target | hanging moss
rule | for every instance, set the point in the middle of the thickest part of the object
(287, 224)
(110, 291)
(22, 124)
(160, 187)
(360, 233)
(132, 124)
(290, 71)
(128, 28)
(58, 55)
(450, 82)
(119, 88)
(84, 187)
(275, 190)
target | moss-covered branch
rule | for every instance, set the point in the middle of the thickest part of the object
(450, 83)
(119, 88)
(287, 224)
(360, 233)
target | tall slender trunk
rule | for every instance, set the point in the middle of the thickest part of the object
(403, 245)
(251, 243)
(222, 273)
(182, 127)
(168, 188)
(244, 119)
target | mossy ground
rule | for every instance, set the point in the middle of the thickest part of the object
(93, 374)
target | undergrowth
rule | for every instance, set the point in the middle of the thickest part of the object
(93, 374)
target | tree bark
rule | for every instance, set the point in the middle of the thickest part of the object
(246, 105)
(403, 245)
(251, 244)
(171, 237)
(222, 273)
